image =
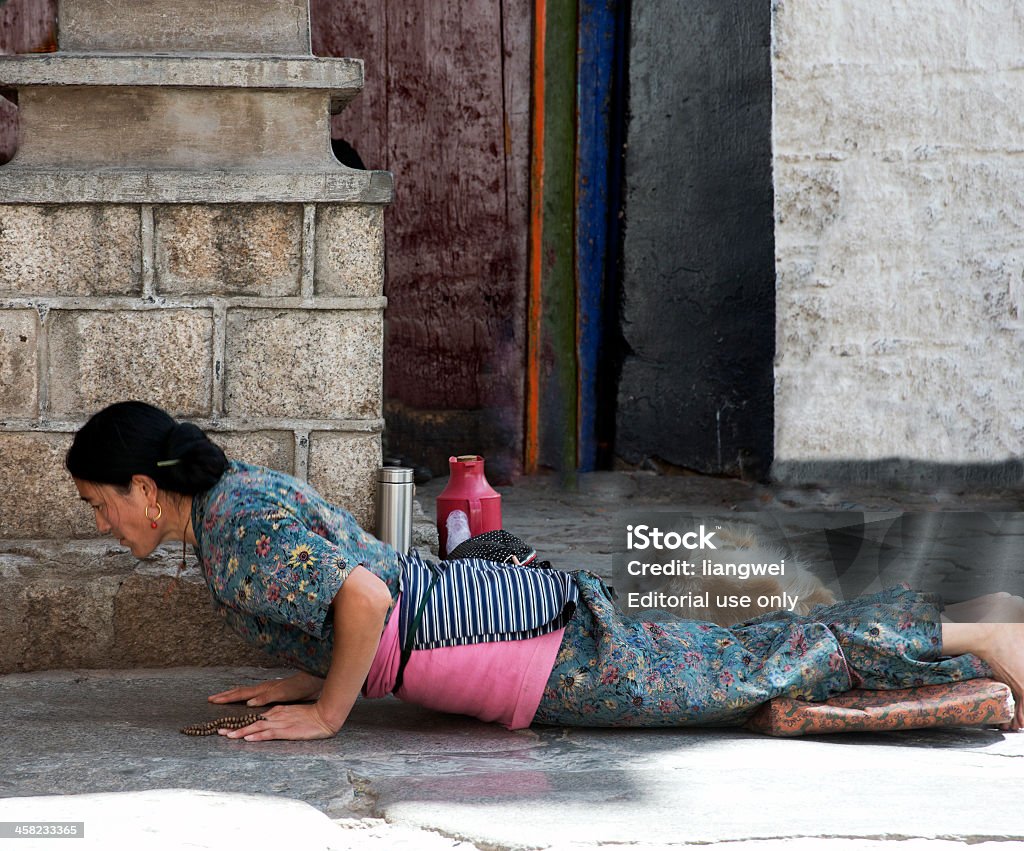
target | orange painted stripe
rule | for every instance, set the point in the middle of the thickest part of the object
(533, 308)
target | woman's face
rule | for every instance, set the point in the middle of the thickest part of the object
(122, 515)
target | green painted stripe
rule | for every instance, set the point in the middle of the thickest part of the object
(559, 387)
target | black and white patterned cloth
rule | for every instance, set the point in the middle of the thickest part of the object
(498, 545)
(472, 601)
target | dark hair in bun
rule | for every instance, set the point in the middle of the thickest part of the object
(133, 438)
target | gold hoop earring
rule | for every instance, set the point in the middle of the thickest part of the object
(152, 520)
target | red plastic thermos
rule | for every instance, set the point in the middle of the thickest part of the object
(467, 490)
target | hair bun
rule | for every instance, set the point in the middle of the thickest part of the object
(181, 438)
(192, 462)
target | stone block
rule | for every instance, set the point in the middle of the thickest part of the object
(852, 111)
(893, 264)
(160, 356)
(228, 249)
(19, 375)
(993, 34)
(273, 449)
(983, 197)
(91, 604)
(159, 623)
(323, 364)
(343, 467)
(233, 26)
(8, 130)
(178, 128)
(341, 78)
(805, 112)
(67, 622)
(349, 250)
(880, 211)
(962, 409)
(803, 34)
(17, 643)
(37, 497)
(824, 410)
(808, 199)
(921, 35)
(806, 328)
(982, 289)
(76, 249)
(794, 271)
(890, 315)
(931, 405)
(969, 111)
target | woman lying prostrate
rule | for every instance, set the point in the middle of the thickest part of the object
(298, 578)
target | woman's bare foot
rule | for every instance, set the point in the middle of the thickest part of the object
(1001, 645)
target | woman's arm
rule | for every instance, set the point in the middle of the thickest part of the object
(358, 612)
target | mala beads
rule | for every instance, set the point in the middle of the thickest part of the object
(231, 722)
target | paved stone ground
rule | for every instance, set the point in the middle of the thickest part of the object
(102, 747)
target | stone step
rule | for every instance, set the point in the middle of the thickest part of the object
(342, 77)
(93, 604)
(328, 182)
(89, 603)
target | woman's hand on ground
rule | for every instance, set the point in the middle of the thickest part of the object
(296, 723)
(358, 612)
(301, 686)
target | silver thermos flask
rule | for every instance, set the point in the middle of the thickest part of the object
(394, 507)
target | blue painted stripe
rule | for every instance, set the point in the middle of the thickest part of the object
(595, 64)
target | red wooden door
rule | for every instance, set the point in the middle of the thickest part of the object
(446, 108)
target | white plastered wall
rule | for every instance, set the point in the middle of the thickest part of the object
(899, 179)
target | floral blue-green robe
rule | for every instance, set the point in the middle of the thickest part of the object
(614, 671)
(275, 553)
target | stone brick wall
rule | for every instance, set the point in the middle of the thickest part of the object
(214, 312)
(899, 241)
(262, 323)
(197, 247)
